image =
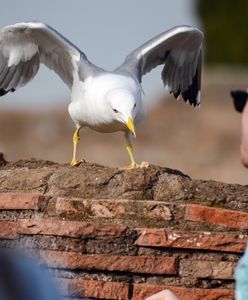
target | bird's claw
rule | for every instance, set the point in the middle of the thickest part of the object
(134, 165)
(75, 163)
(130, 167)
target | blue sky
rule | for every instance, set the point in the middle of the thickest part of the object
(105, 30)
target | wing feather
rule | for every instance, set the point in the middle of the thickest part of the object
(23, 46)
(179, 50)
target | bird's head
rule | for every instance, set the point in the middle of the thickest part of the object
(122, 106)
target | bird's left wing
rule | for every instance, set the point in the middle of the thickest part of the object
(23, 46)
(180, 51)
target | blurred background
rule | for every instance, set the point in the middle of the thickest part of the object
(203, 143)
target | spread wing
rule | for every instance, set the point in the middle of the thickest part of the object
(180, 51)
(23, 46)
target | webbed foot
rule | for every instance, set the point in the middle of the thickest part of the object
(132, 165)
(75, 163)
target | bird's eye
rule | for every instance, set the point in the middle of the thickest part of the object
(115, 110)
(134, 105)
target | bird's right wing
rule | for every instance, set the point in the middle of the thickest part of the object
(23, 46)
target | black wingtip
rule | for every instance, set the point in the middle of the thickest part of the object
(239, 99)
(4, 92)
(189, 96)
(176, 95)
(192, 94)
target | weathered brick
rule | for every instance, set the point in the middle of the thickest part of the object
(217, 216)
(94, 289)
(156, 237)
(8, 230)
(133, 264)
(48, 242)
(114, 208)
(141, 291)
(123, 245)
(23, 201)
(65, 206)
(207, 269)
(68, 228)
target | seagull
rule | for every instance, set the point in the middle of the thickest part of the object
(105, 101)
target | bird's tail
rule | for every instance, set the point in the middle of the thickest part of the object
(239, 99)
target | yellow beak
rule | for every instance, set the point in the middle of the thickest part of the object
(131, 126)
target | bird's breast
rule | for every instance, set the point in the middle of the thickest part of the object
(88, 106)
(85, 115)
(108, 127)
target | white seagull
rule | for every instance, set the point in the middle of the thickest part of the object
(102, 100)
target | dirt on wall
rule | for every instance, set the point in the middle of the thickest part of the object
(108, 233)
(96, 181)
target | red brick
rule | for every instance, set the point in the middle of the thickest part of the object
(8, 230)
(66, 206)
(11, 201)
(133, 264)
(217, 216)
(141, 291)
(226, 242)
(114, 208)
(69, 228)
(94, 289)
(207, 269)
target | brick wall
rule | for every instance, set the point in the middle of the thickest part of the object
(111, 234)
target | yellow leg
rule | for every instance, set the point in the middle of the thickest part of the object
(133, 164)
(74, 161)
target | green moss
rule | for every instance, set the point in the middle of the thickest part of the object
(225, 28)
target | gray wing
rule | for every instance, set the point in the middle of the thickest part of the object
(180, 51)
(23, 46)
